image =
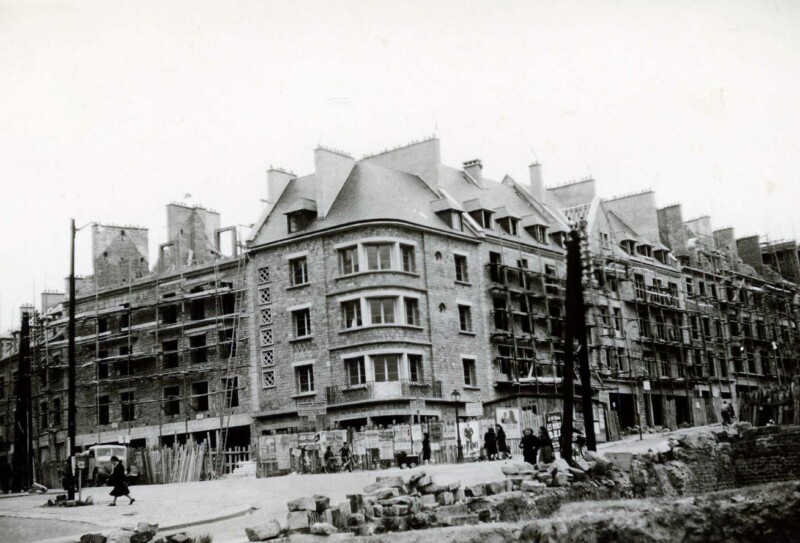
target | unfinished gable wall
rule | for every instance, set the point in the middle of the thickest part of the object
(749, 250)
(639, 212)
(700, 228)
(671, 229)
(191, 230)
(119, 253)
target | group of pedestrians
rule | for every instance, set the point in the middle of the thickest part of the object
(537, 448)
(495, 444)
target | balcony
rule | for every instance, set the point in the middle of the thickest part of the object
(654, 296)
(390, 390)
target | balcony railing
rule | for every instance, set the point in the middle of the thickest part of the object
(389, 390)
(654, 296)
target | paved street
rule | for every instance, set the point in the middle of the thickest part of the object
(187, 503)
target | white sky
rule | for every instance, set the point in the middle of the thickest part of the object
(111, 109)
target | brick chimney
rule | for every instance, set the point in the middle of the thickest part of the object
(475, 169)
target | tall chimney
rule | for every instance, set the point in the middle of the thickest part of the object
(537, 183)
(277, 180)
(331, 168)
(475, 169)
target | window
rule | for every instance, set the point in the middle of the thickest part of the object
(102, 366)
(267, 358)
(299, 220)
(495, 263)
(348, 260)
(231, 387)
(605, 240)
(127, 407)
(409, 259)
(124, 321)
(266, 337)
(102, 325)
(197, 310)
(457, 221)
(302, 322)
(102, 410)
(57, 412)
(172, 404)
(228, 304)
(226, 344)
(356, 371)
(379, 256)
(381, 310)
(264, 295)
(125, 367)
(483, 217)
(539, 233)
(299, 271)
(266, 315)
(386, 367)
(465, 318)
(689, 287)
(43, 414)
(304, 376)
(169, 353)
(169, 314)
(415, 368)
(462, 273)
(351, 314)
(268, 379)
(412, 311)
(263, 274)
(470, 379)
(200, 396)
(197, 346)
(617, 319)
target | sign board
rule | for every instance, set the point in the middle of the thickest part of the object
(646, 385)
(81, 464)
(373, 439)
(473, 409)
(402, 432)
(416, 405)
(437, 431)
(284, 443)
(416, 433)
(360, 443)
(554, 429)
(386, 449)
(266, 449)
(509, 419)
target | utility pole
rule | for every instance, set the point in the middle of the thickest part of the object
(22, 458)
(584, 371)
(71, 367)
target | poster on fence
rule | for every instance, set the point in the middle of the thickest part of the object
(387, 449)
(509, 419)
(437, 431)
(373, 439)
(416, 433)
(360, 443)
(471, 438)
(554, 429)
(402, 432)
(266, 449)
(306, 438)
(333, 439)
(283, 450)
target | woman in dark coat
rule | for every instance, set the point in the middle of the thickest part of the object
(426, 448)
(118, 480)
(547, 454)
(502, 447)
(529, 445)
(490, 444)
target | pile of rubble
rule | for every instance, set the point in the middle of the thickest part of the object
(396, 504)
(143, 533)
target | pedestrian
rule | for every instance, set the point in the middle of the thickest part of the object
(345, 452)
(726, 414)
(426, 448)
(529, 445)
(118, 480)
(490, 444)
(502, 447)
(546, 454)
(5, 475)
(731, 412)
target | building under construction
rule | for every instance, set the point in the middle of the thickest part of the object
(369, 290)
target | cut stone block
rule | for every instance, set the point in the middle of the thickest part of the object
(263, 532)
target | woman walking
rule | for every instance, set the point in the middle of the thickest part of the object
(118, 480)
(529, 445)
(502, 447)
(546, 454)
(490, 444)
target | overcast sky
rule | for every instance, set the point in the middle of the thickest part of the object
(109, 110)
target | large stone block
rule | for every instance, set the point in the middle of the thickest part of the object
(263, 532)
(297, 520)
(302, 504)
(475, 491)
(322, 503)
(93, 538)
(532, 486)
(622, 460)
(384, 493)
(497, 487)
(356, 503)
(322, 528)
(391, 481)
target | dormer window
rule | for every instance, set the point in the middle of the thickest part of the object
(538, 232)
(560, 239)
(628, 245)
(457, 221)
(509, 224)
(483, 217)
(301, 215)
(661, 255)
(645, 250)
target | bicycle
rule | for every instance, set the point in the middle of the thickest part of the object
(336, 464)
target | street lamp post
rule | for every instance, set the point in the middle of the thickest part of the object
(456, 395)
(71, 415)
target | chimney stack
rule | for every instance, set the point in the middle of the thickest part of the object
(475, 169)
(276, 183)
(537, 182)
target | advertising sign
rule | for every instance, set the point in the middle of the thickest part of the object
(509, 419)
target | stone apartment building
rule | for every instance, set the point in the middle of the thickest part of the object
(369, 290)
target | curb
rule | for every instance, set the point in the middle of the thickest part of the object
(105, 529)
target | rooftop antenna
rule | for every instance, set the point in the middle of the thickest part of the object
(533, 152)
